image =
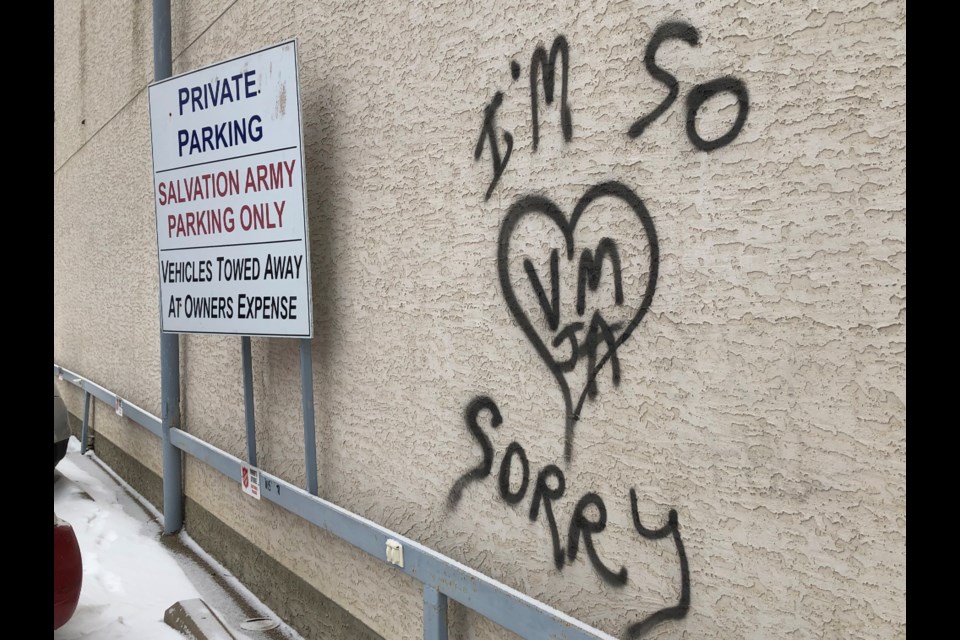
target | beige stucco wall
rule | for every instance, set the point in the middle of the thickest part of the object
(762, 396)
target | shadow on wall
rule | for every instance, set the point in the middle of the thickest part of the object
(321, 157)
(276, 361)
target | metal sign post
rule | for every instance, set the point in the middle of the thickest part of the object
(231, 219)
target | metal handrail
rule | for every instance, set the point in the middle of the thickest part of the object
(442, 577)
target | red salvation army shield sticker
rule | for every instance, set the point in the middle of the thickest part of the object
(250, 480)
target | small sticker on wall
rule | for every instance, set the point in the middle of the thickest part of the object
(118, 406)
(250, 480)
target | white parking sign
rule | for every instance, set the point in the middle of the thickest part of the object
(230, 197)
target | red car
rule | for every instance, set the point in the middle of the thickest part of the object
(67, 564)
(67, 572)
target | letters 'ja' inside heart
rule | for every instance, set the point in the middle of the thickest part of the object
(585, 335)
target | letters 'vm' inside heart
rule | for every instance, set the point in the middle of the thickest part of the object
(578, 283)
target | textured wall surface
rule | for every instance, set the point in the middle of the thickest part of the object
(755, 384)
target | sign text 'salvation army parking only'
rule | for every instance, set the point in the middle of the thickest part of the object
(230, 198)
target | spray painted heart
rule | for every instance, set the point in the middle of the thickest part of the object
(598, 333)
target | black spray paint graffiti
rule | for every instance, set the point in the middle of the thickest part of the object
(591, 339)
(683, 606)
(547, 68)
(599, 332)
(697, 96)
(543, 67)
(549, 488)
(490, 133)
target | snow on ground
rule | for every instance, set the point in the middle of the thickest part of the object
(129, 577)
